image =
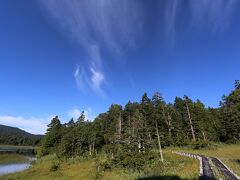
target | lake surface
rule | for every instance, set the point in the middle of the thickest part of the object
(11, 168)
(15, 158)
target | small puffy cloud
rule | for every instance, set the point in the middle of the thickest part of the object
(89, 114)
(76, 112)
(32, 125)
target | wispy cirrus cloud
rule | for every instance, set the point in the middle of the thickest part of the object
(111, 25)
(97, 80)
(79, 76)
(172, 8)
(32, 125)
(214, 15)
(204, 15)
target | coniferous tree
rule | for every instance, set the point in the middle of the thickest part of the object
(128, 135)
(81, 119)
(237, 84)
(230, 110)
(53, 136)
(71, 123)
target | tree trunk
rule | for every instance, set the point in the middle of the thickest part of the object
(190, 122)
(119, 127)
(159, 143)
(139, 146)
(93, 147)
(169, 126)
(133, 130)
(146, 126)
(204, 136)
(90, 149)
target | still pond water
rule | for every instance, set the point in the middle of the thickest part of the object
(8, 163)
(11, 168)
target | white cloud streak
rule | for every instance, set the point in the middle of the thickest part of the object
(172, 8)
(205, 15)
(79, 77)
(111, 25)
(212, 14)
(32, 125)
(97, 80)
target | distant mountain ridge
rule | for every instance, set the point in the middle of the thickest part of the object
(15, 136)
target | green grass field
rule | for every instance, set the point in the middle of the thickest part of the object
(175, 167)
(229, 154)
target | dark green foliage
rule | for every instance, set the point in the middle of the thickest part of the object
(51, 140)
(230, 119)
(54, 167)
(237, 84)
(71, 123)
(200, 144)
(81, 119)
(129, 135)
(15, 136)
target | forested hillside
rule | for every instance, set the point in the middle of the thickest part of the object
(128, 135)
(15, 136)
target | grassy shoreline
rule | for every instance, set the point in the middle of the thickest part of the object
(21, 150)
(175, 166)
(78, 168)
(6, 146)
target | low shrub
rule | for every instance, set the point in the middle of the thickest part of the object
(55, 166)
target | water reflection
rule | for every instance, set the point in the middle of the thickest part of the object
(11, 168)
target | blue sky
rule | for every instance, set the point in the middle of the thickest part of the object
(60, 57)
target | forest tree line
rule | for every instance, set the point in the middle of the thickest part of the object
(128, 135)
(15, 136)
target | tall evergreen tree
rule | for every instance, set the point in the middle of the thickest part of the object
(71, 123)
(53, 137)
(231, 115)
(81, 119)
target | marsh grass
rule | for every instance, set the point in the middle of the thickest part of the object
(174, 166)
(82, 168)
(229, 154)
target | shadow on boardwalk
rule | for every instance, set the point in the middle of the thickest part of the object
(206, 178)
(160, 177)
